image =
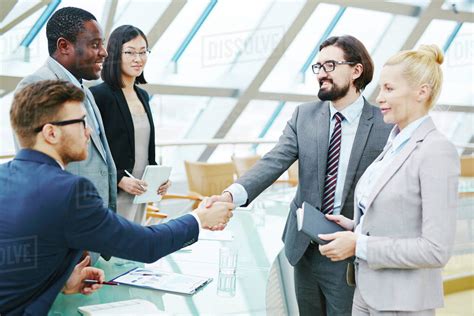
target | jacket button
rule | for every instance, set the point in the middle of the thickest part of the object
(368, 233)
(103, 173)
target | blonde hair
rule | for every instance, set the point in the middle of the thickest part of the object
(422, 66)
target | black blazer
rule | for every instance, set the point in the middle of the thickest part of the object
(119, 127)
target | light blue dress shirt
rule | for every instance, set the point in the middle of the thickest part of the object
(396, 141)
(349, 127)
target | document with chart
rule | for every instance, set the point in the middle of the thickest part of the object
(163, 281)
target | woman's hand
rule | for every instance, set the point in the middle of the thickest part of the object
(341, 220)
(82, 271)
(132, 186)
(164, 188)
(342, 245)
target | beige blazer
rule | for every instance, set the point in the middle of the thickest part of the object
(410, 220)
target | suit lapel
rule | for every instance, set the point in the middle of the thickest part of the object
(418, 136)
(126, 116)
(98, 141)
(322, 139)
(89, 105)
(363, 130)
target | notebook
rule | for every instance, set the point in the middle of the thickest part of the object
(312, 222)
(136, 307)
(154, 176)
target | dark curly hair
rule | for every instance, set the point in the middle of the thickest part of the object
(67, 23)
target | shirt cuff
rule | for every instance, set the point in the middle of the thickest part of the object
(361, 247)
(197, 219)
(239, 194)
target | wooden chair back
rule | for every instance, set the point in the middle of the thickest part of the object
(207, 179)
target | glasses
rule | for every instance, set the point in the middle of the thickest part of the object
(63, 123)
(131, 54)
(329, 65)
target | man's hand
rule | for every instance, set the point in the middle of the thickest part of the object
(219, 213)
(81, 272)
(224, 197)
(342, 221)
(208, 202)
(342, 245)
(164, 188)
(132, 186)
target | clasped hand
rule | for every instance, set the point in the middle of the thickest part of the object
(342, 244)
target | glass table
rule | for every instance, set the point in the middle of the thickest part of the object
(256, 234)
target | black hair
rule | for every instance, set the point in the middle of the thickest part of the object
(67, 23)
(354, 51)
(111, 71)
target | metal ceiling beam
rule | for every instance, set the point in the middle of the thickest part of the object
(424, 21)
(164, 21)
(253, 88)
(192, 91)
(288, 97)
(110, 9)
(9, 83)
(428, 14)
(382, 6)
(24, 16)
(458, 16)
(7, 6)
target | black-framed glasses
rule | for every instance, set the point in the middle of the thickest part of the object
(63, 123)
(329, 65)
(131, 53)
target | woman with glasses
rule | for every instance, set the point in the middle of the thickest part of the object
(127, 117)
(405, 202)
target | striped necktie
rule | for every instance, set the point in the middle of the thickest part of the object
(332, 166)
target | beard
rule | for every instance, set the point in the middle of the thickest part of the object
(333, 94)
(71, 151)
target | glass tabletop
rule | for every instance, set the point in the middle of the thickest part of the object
(256, 234)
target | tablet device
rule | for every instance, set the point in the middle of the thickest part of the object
(154, 176)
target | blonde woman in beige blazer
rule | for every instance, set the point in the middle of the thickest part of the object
(405, 203)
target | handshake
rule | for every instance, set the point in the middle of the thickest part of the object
(215, 212)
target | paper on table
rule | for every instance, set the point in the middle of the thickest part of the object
(129, 307)
(222, 235)
(164, 281)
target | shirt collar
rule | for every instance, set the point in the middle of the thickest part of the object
(60, 164)
(397, 137)
(350, 112)
(68, 74)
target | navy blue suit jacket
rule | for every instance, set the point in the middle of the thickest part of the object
(48, 216)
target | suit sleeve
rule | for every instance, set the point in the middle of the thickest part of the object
(438, 176)
(274, 163)
(91, 226)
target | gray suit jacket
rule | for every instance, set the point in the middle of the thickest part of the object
(306, 139)
(410, 218)
(99, 166)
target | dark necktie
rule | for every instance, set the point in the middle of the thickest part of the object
(331, 166)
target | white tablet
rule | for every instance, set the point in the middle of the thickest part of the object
(154, 176)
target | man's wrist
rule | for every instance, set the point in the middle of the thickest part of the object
(228, 196)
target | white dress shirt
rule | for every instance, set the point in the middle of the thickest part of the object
(348, 130)
(396, 141)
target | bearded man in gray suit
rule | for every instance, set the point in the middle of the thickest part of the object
(75, 45)
(334, 140)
